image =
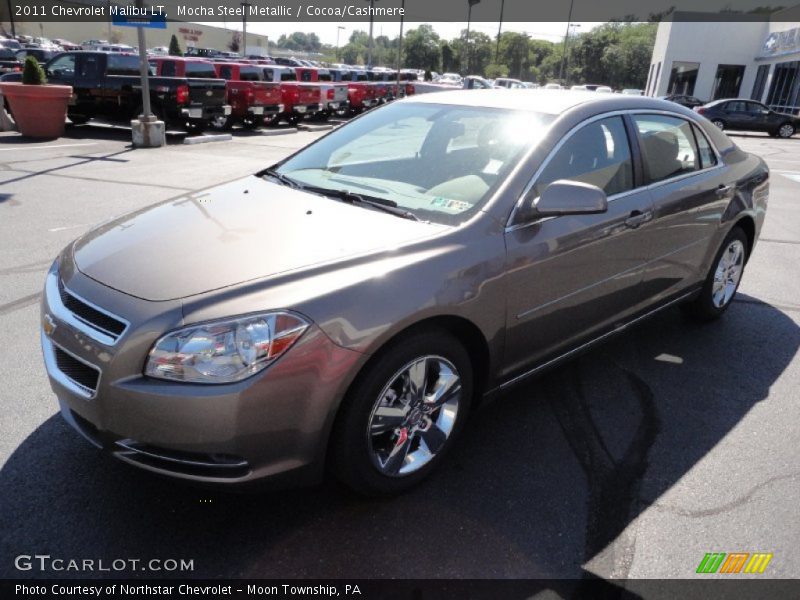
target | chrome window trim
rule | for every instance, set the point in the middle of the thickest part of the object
(48, 349)
(67, 316)
(511, 226)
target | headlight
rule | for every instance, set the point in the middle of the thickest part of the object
(224, 351)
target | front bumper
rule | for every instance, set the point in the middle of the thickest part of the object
(274, 423)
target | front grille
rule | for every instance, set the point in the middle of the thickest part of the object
(91, 316)
(77, 371)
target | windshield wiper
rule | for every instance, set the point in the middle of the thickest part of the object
(280, 177)
(389, 206)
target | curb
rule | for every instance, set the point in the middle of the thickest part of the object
(269, 132)
(305, 127)
(205, 139)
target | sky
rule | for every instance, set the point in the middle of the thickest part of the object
(327, 31)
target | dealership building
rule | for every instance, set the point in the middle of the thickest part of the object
(697, 55)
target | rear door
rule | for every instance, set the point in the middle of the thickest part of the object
(690, 188)
(572, 276)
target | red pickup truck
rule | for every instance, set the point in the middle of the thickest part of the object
(252, 99)
(361, 93)
(334, 94)
(298, 99)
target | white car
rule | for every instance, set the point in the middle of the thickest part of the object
(553, 86)
(604, 89)
(633, 92)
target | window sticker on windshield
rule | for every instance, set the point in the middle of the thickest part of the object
(454, 205)
(492, 167)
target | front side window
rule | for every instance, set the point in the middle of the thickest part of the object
(668, 146)
(63, 66)
(439, 162)
(598, 154)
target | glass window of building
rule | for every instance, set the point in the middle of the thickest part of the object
(727, 81)
(682, 78)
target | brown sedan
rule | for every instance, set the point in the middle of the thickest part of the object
(350, 305)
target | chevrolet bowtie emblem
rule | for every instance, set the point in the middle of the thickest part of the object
(49, 325)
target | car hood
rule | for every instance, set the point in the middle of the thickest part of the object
(240, 231)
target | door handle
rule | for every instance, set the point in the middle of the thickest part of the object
(723, 190)
(637, 217)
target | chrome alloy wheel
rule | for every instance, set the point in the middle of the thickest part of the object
(728, 273)
(786, 130)
(414, 415)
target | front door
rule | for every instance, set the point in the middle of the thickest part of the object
(570, 277)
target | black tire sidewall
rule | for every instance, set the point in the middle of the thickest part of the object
(350, 453)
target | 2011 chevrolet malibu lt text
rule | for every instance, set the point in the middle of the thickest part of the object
(346, 308)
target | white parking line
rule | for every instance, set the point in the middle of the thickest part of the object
(793, 175)
(17, 148)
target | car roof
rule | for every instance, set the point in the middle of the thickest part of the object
(552, 102)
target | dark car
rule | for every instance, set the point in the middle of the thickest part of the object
(384, 281)
(9, 62)
(683, 100)
(749, 115)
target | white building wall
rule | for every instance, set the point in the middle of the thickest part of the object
(710, 44)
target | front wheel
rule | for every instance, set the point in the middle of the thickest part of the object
(403, 414)
(786, 130)
(723, 278)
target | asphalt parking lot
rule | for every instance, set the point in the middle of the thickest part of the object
(670, 441)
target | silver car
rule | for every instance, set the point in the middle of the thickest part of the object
(349, 306)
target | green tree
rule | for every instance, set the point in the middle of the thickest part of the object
(174, 46)
(515, 53)
(422, 48)
(493, 71)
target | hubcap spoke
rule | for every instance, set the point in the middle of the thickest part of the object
(447, 387)
(398, 455)
(727, 274)
(417, 377)
(387, 418)
(433, 437)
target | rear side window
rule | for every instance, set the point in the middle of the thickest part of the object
(168, 68)
(225, 72)
(288, 76)
(249, 74)
(122, 64)
(704, 149)
(597, 154)
(324, 76)
(668, 146)
(305, 76)
(200, 70)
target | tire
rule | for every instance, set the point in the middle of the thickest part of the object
(786, 130)
(252, 123)
(78, 119)
(222, 123)
(718, 123)
(378, 455)
(293, 120)
(714, 300)
(273, 121)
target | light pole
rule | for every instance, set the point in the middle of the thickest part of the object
(499, 29)
(338, 31)
(572, 28)
(400, 48)
(371, 23)
(245, 6)
(566, 37)
(470, 4)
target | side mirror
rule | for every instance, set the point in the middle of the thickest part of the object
(566, 197)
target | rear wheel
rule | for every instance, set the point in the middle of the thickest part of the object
(723, 278)
(403, 414)
(786, 130)
(719, 123)
(272, 121)
(222, 122)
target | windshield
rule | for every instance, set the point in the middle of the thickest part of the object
(439, 162)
